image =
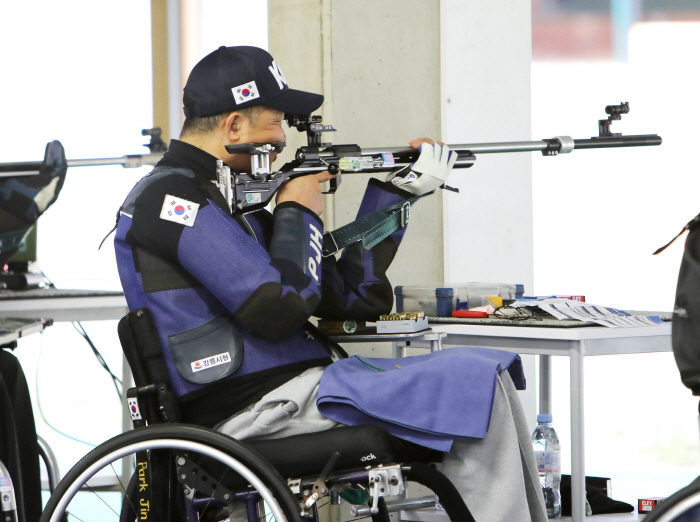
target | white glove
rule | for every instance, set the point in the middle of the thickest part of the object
(428, 173)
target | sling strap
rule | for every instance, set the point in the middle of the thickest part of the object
(371, 229)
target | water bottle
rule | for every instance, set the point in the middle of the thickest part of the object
(546, 446)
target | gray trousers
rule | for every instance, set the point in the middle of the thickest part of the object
(497, 475)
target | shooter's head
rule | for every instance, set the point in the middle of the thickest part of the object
(238, 95)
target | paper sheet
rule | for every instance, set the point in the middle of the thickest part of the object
(578, 311)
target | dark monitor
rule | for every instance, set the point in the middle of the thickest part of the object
(27, 251)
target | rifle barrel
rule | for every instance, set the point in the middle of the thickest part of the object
(31, 168)
(529, 146)
(618, 141)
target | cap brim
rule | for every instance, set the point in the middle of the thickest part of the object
(292, 101)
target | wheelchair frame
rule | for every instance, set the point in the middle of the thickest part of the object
(154, 414)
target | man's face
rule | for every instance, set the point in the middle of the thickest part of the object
(267, 129)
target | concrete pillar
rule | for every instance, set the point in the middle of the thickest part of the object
(378, 65)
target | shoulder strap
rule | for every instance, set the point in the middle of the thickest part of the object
(371, 229)
(333, 348)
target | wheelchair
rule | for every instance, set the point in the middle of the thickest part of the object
(11, 491)
(166, 471)
(20, 486)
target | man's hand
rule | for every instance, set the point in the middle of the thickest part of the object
(306, 190)
(429, 172)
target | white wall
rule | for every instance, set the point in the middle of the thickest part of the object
(77, 71)
(485, 58)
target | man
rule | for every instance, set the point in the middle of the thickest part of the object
(230, 294)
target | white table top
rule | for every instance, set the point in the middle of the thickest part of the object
(63, 305)
(595, 340)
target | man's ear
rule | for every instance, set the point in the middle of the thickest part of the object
(234, 124)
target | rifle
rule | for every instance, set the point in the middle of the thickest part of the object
(246, 192)
(157, 147)
(249, 192)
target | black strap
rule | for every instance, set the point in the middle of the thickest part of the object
(450, 498)
(371, 229)
(689, 226)
(329, 344)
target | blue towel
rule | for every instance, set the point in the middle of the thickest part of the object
(428, 399)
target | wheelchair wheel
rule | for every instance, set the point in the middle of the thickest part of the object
(682, 506)
(83, 496)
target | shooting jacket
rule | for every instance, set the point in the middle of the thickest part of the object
(229, 294)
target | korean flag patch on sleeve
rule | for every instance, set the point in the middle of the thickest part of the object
(179, 210)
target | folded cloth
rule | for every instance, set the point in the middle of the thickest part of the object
(428, 399)
(600, 503)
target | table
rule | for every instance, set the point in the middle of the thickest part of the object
(63, 305)
(576, 343)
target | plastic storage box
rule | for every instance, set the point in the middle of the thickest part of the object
(442, 301)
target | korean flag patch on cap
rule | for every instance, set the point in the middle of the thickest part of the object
(179, 210)
(245, 93)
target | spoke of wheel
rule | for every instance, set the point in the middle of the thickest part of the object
(72, 515)
(103, 500)
(126, 496)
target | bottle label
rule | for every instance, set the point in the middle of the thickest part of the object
(548, 461)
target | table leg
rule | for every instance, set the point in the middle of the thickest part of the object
(578, 470)
(436, 345)
(545, 384)
(398, 349)
(127, 382)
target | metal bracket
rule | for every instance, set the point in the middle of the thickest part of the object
(566, 144)
(320, 489)
(558, 145)
(335, 246)
(223, 183)
(383, 482)
(405, 213)
(194, 478)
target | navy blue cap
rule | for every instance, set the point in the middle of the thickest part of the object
(232, 78)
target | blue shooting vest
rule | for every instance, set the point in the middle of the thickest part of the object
(428, 399)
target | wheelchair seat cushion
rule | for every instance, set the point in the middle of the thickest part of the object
(359, 446)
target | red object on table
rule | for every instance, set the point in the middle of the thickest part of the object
(469, 313)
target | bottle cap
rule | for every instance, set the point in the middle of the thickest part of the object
(544, 417)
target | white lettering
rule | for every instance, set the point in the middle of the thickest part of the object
(368, 457)
(312, 268)
(315, 238)
(275, 70)
(316, 235)
(318, 252)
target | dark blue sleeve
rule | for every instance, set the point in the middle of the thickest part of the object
(355, 286)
